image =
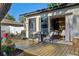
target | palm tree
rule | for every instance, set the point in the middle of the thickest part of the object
(9, 17)
(22, 19)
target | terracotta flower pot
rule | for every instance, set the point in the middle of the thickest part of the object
(4, 7)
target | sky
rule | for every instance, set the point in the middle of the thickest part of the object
(21, 8)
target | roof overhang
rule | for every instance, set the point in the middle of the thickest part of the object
(47, 10)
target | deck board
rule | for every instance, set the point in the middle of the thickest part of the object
(47, 49)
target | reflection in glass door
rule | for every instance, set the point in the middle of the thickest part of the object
(32, 26)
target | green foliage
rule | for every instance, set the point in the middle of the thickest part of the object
(53, 5)
(9, 17)
(22, 19)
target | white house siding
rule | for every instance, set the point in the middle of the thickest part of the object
(15, 30)
(5, 28)
(76, 24)
(60, 12)
(11, 29)
(68, 27)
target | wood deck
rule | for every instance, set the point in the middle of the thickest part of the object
(38, 49)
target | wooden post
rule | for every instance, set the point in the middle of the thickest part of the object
(49, 17)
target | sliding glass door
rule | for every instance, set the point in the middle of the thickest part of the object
(32, 27)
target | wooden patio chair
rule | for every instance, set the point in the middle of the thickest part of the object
(76, 45)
